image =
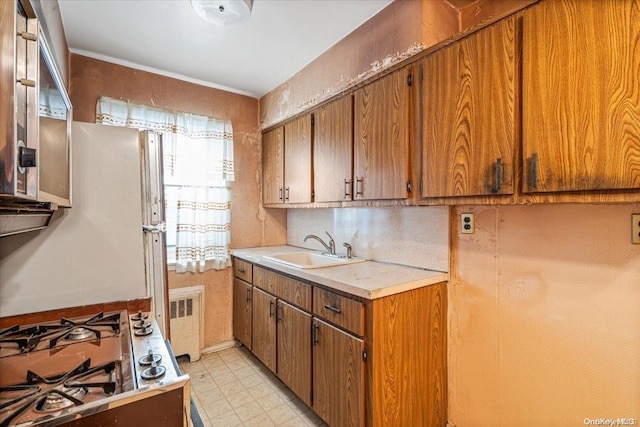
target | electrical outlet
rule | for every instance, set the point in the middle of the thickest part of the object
(635, 229)
(467, 223)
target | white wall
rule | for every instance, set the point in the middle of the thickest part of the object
(414, 236)
(93, 252)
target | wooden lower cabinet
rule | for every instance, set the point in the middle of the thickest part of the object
(338, 376)
(264, 328)
(294, 350)
(242, 311)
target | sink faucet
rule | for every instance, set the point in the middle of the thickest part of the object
(331, 247)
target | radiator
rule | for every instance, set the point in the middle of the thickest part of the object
(186, 320)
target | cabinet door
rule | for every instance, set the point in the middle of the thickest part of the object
(469, 125)
(333, 151)
(338, 376)
(381, 141)
(273, 166)
(264, 328)
(297, 160)
(294, 350)
(242, 309)
(581, 116)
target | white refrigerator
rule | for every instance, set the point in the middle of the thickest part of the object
(96, 251)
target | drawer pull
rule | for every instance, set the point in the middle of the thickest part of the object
(241, 270)
(332, 308)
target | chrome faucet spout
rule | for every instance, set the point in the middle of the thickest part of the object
(331, 247)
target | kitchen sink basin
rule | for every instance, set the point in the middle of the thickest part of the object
(312, 260)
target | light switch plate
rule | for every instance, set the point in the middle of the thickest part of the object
(467, 223)
(635, 229)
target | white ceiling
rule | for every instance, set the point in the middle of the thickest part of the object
(167, 37)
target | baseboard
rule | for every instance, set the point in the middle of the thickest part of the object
(220, 346)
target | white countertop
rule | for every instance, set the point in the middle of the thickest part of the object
(369, 279)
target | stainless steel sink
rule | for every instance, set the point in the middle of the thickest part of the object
(307, 260)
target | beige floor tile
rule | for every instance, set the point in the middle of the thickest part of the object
(237, 364)
(281, 413)
(260, 421)
(261, 390)
(252, 380)
(241, 398)
(270, 401)
(245, 371)
(219, 370)
(210, 396)
(249, 411)
(232, 388)
(228, 419)
(204, 386)
(294, 422)
(217, 408)
(224, 379)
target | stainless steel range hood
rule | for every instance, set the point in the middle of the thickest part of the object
(22, 218)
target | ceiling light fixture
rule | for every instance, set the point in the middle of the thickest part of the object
(223, 12)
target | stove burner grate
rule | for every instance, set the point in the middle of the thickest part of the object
(26, 339)
(56, 392)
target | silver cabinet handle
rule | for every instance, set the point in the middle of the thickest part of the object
(332, 308)
(499, 173)
(270, 308)
(314, 329)
(359, 190)
(347, 188)
(533, 171)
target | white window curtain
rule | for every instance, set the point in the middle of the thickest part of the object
(198, 169)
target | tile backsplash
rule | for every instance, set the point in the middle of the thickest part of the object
(414, 236)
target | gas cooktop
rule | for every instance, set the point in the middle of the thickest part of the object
(68, 370)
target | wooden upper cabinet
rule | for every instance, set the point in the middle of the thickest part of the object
(581, 86)
(333, 151)
(382, 135)
(469, 123)
(273, 166)
(298, 177)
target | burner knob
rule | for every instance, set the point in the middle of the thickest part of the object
(139, 316)
(141, 324)
(150, 358)
(145, 330)
(153, 372)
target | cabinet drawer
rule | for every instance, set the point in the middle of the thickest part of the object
(243, 270)
(342, 311)
(291, 290)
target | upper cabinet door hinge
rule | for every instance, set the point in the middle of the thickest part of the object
(313, 120)
(409, 186)
(409, 79)
(364, 354)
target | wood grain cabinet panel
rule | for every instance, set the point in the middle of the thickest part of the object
(243, 270)
(273, 166)
(264, 328)
(469, 124)
(298, 179)
(292, 290)
(333, 151)
(242, 311)
(581, 86)
(338, 376)
(382, 136)
(342, 311)
(294, 350)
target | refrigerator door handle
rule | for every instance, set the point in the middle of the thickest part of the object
(157, 228)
